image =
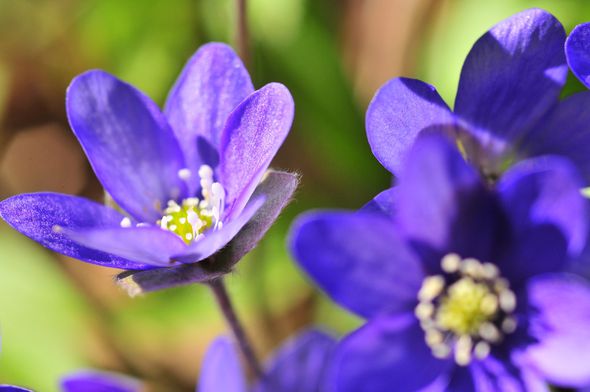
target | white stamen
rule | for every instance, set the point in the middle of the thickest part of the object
(451, 263)
(489, 332)
(424, 310)
(463, 349)
(507, 300)
(431, 288)
(184, 174)
(126, 222)
(482, 350)
(509, 325)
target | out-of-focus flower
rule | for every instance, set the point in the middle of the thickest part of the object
(577, 51)
(184, 182)
(94, 381)
(299, 365)
(462, 284)
(507, 105)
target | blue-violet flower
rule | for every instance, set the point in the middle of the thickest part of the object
(462, 284)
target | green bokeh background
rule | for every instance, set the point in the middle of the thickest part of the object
(58, 315)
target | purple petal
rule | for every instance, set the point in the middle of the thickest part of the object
(577, 50)
(548, 216)
(213, 82)
(300, 364)
(385, 353)
(277, 188)
(213, 241)
(564, 132)
(148, 245)
(491, 375)
(39, 215)
(128, 142)
(221, 370)
(398, 112)
(443, 206)
(358, 259)
(252, 136)
(12, 388)
(384, 203)
(559, 320)
(511, 77)
(93, 381)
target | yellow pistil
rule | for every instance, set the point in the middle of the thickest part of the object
(188, 220)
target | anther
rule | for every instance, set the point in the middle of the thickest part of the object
(431, 288)
(451, 263)
(126, 222)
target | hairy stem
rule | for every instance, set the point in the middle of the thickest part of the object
(227, 309)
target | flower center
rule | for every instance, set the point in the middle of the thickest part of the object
(466, 310)
(193, 216)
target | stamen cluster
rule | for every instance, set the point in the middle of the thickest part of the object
(465, 311)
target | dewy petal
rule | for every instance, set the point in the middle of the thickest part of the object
(577, 51)
(548, 216)
(252, 136)
(213, 241)
(277, 188)
(42, 216)
(385, 355)
(564, 131)
(559, 319)
(443, 206)
(128, 142)
(358, 259)
(398, 112)
(300, 364)
(148, 245)
(94, 381)
(213, 82)
(384, 203)
(512, 76)
(221, 370)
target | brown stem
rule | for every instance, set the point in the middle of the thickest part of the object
(227, 309)
(242, 35)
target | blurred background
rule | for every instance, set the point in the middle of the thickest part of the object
(58, 314)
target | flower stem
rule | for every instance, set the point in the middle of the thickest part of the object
(242, 34)
(227, 309)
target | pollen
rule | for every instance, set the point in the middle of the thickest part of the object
(193, 217)
(465, 311)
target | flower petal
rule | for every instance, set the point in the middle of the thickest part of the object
(40, 215)
(300, 364)
(564, 132)
(252, 136)
(577, 51)
(213, 241)
(277, 188)
(444, 207)
(548, 216)
(12, 388)
(358, 259)
(384, 203)
(491, 375)
(93, 381)
(388, 352)
(128, 143)
(148, 245)
(559, 320)
(213, 82)
(511, 77)
(221, 370)
(399, 111)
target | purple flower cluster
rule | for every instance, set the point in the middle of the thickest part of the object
(461, 269)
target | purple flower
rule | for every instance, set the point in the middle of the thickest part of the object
(462, 284)
(577, 50)
(184, 182)
(299, 365)
(507, 105)
(94, 381)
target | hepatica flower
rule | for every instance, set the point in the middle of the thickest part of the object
(185, 181)
(507, 105)
(297, 366)
(462, 284)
